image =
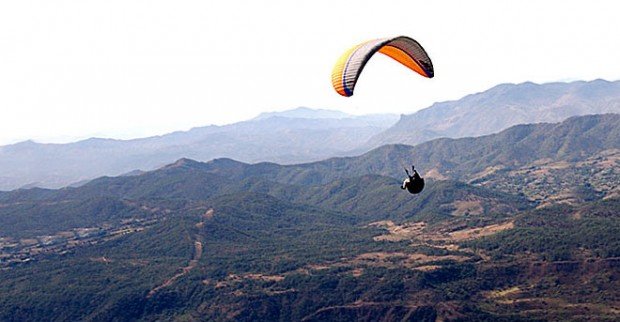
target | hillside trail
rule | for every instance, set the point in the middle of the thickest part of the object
(198, 248)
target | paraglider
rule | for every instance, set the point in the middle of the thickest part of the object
(414, 183)
(403, 49)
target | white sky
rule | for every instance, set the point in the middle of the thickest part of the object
(122, 69)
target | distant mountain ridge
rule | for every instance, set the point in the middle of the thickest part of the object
(580, 150)
(284, 137)
(501, 107)
(573, 141)
(305, 135)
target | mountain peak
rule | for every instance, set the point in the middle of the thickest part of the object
(183, 163)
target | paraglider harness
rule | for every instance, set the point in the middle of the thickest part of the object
(414, 183)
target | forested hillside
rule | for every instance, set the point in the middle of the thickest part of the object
(332, 240)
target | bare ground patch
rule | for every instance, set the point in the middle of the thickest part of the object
(427, 268)
(487, 172)
(385, 259)
(502, 293)
(357, 272)
(475, 233)
(208, 214)
(417, 231)
(399, 232)
(434, 173)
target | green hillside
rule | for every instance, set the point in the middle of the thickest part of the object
(532, 237)
(267, 259)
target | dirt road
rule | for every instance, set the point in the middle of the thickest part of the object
(198, 248)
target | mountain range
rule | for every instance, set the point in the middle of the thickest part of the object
(501, 107)
(292, 136)
(305, 135)
(518, 225)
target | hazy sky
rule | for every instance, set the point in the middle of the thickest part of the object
(74, 69)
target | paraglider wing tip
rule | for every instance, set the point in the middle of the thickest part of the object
(345, 93)
(430, 72)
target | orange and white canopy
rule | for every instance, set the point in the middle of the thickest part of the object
(403, 49)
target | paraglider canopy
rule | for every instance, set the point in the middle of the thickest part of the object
(403, 49)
